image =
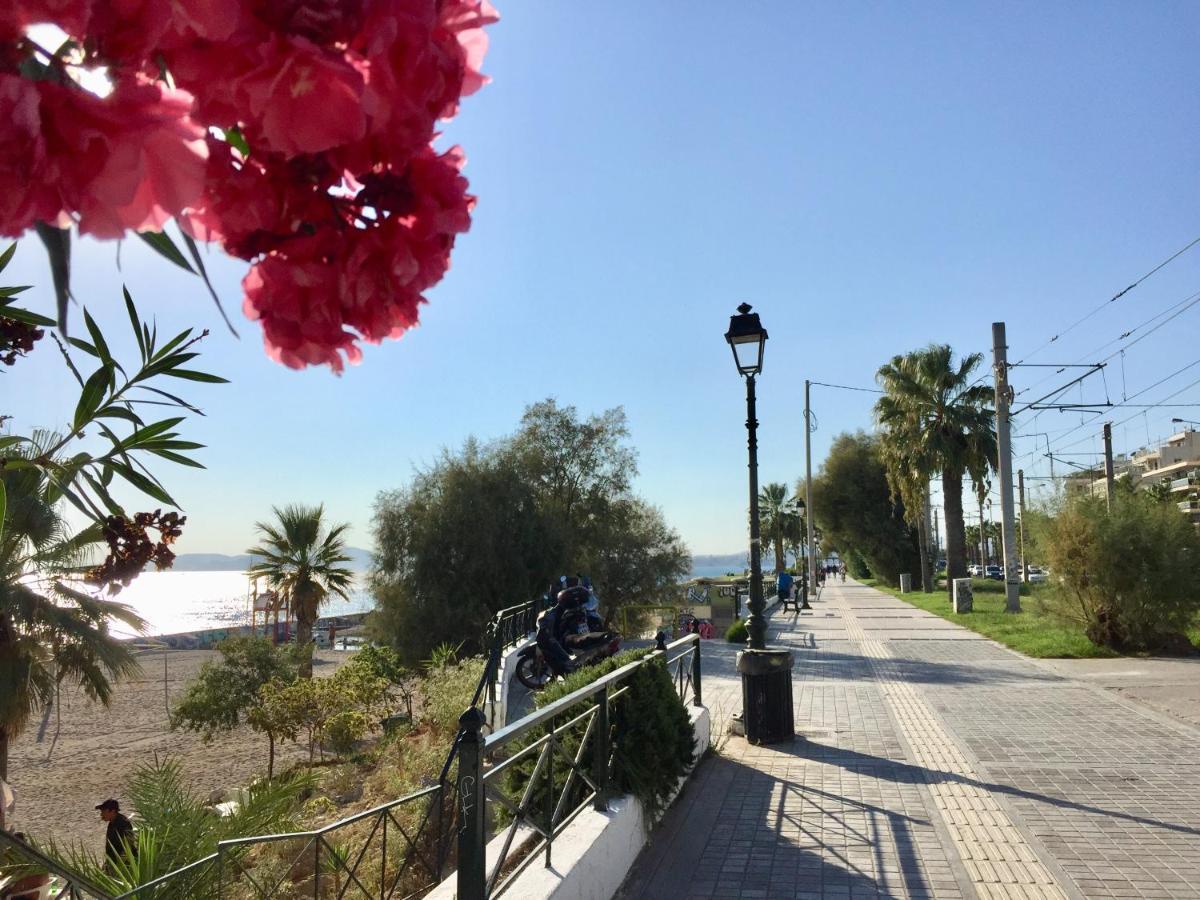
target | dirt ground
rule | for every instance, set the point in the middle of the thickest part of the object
(58, 780)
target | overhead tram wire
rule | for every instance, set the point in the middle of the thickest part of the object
(846, 387)
(1115, 297)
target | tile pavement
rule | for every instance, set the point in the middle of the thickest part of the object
(931, 762)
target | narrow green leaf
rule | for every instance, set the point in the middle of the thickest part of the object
(165, 247)
(7, 255)
(97, 338)
(58, 248)
(135, 322)
(24, 315)
(195, 253)
(94, 390)
(237, 140)
(177, 457)
(169, 443)
(84, 346)
(116, 411)
(101, 490)
(7, 440)
(142, 483)
(13, 291)
(190, 375)
(150, 431)
(171, 344)
(179, 401)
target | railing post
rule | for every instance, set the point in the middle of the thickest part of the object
(696, 695)
(601, 751)
(472, 854)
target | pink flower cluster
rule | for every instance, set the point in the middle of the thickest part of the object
(297, 133)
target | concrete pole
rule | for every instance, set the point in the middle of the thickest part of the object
(1021, 498)
(1012, 585)
(812, 547)
(982, 536)
(937, 537)
(1108, 464)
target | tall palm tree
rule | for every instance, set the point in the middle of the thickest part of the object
(51, 633)
(936, 420)
(777, 520)
(301, 559)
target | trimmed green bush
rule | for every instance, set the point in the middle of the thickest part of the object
(654, 748)
(1130, 575)
(737, 633)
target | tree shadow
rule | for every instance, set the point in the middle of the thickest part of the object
(737, 829)
(907, 773)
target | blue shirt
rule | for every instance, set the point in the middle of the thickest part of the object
(783, 582)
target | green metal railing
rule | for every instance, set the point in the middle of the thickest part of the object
(545, 806)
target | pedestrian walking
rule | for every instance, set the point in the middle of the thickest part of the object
(119, 841)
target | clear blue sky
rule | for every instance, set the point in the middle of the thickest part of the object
(872, 177)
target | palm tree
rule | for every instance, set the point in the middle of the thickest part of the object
(51, 633)
(935, 420)
(301, 560)
(774, 510)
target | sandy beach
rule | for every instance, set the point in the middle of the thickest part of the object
(58, 783)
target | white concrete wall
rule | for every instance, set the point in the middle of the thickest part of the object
(498, 717)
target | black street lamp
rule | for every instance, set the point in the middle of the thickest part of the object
(1184, 422)
(766, 674)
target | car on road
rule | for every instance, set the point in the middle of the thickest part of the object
(975, 570)
(1037, 575)
(994, 572)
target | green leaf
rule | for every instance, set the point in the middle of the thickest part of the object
(190, 375)
(195, 253)
(58, 248)
(116, 411)
(3, 495)
(237, 140)
(84, 346)
(7, 255)
(97, 338)
(13, 291)
(171, 344)
(176, 457)
(7, 440)
(135, 321)
(165, 247)
(94, 390)
(24, 315)
(179, 401)
(150, 431)
(142, 483)
(169, 443)
(100, 488)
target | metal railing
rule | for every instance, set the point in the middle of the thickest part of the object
(570, 726)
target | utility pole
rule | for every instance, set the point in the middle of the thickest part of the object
(928, 571)
(812, 547)
(1021, 524)
(1108, 464)
(937, 536)
(982, 535)
(1012, 587)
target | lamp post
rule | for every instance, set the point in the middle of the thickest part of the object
(766, 674)
(1183, 422)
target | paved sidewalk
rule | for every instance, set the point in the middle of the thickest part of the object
(932, 762)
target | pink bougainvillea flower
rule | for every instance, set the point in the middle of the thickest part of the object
(441, 204)
(379, 281)
(303, 98)
(26, 194)
(295, 300)
(130, 160)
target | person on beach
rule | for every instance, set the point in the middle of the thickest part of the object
(119, 841)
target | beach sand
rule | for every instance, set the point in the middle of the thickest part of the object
(58, 784)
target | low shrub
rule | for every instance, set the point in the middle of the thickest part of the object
(1130, 575)
(654, 744)
(737, 633)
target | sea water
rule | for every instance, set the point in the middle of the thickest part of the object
(174, 602)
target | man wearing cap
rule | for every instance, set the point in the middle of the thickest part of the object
(120, 834)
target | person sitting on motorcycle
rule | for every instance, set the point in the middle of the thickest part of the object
(552, 630)
(582, 629)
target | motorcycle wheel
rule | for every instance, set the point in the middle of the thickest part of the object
(533, 672)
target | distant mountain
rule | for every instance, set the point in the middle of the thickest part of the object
(360, 561)
(733, 560)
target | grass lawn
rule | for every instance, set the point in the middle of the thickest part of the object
(1032, 631)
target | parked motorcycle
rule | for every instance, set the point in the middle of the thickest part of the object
(535, 673)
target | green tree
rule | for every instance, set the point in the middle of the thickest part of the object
(1128, 574)
(936, 420)
(857, 511)
(490, 526)
(225, 691)
(302, 560)
(777, 520)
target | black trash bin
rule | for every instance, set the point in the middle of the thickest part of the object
(767, 695)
